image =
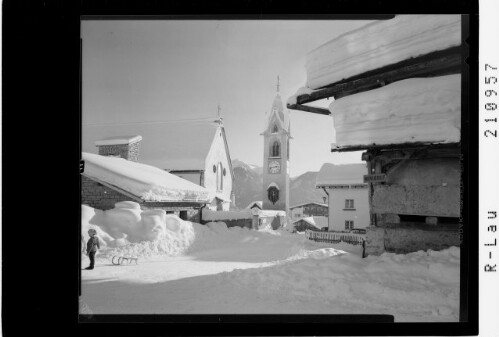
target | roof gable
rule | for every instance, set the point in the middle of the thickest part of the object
(331, 174)
(308, 203)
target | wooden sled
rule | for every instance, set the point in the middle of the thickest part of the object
(119, 260)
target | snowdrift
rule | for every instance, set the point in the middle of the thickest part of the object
(426, 283)
(380, 44)
(412, 110)
(129, 231)
(126, 230)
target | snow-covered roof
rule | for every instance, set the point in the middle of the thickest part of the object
(408, 111)
(316, 221)
(331, 174)
(379, 44)
(272, 185)
(255, 203)
(271, 213)
(144, 181)
(118, 140)
(308, 203)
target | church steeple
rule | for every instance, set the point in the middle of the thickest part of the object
(275, 188)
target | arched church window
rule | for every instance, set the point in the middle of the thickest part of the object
(275, 151)
(274, 129)
(220, 180)
(273, 194)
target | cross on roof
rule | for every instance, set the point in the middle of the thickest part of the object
(277, 83)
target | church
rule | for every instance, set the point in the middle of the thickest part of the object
(276, 138)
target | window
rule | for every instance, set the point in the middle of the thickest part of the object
(348, 224)
(275, 129)
(275, 151)
(273, 194)
(349, 204)
(220, 180)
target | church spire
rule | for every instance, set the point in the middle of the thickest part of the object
(277, 84)
(220, 119)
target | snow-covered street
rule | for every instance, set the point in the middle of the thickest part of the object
(220, 270)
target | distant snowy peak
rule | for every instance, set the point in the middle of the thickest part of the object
(239, 163)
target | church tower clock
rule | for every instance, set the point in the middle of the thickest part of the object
(276, 157)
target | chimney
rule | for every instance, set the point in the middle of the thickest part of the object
(126, 147)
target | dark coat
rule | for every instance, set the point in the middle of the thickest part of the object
(93, 244)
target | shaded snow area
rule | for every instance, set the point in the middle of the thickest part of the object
(147, 182)
(188, 268)
(412, 110)
(380, 44)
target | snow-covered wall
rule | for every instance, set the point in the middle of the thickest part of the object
(412, 110)
(209, 215)
(380, 44)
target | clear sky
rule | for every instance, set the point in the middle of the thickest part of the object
(137, 74)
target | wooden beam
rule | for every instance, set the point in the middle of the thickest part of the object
(438, 63)
(307, 108)
(395, 146)
(174, 205)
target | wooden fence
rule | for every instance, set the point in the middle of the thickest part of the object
(334, 237)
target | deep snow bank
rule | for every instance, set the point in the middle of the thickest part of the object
(126, 230)
(422, 282)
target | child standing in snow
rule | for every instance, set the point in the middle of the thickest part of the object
(92, 246)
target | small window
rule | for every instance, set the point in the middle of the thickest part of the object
(220, 180)
(349, 204)
(348, 224)
(275, 151)
(275, 129)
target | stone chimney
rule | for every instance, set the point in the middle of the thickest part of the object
(126, 147)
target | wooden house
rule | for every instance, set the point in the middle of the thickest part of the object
(397, 96)
(308, 209)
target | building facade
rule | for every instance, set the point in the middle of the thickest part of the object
(307, 210)
(348, 200)
(275, 189)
